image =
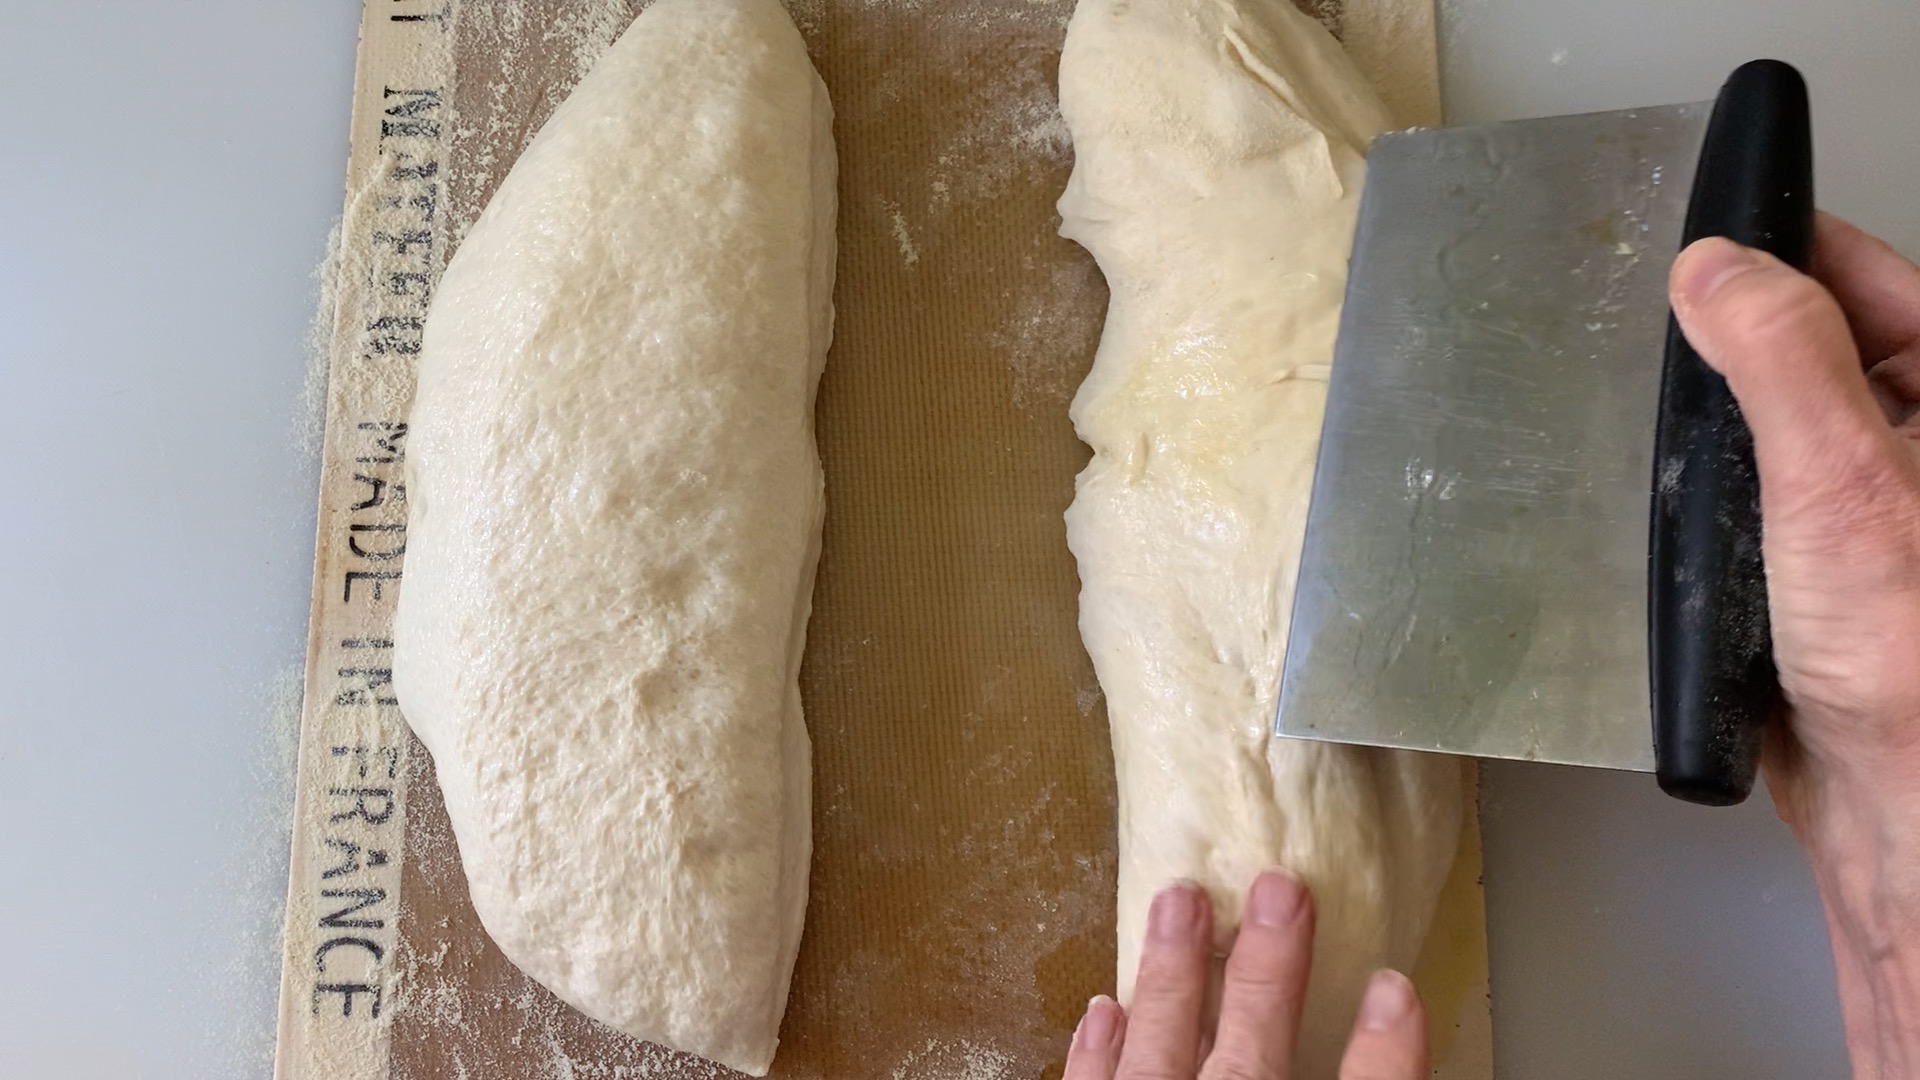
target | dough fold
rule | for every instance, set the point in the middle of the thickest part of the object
(615, 519)
(1218, 162)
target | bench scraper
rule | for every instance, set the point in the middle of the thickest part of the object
(1535, 530)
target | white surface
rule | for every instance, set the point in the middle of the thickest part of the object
(173, 166)
(1505, 59)
(1633, 936)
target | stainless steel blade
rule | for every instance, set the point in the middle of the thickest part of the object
(1475, 572)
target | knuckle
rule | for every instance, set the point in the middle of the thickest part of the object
(1267, 968)
(1857, 502)
(1774, 304)
(1234, 1065)
(1167, 979)
(1157, 1070)
(1770, 327)
(1259, 982)
(1370, 1068)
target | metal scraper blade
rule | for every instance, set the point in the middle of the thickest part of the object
(1474, 578)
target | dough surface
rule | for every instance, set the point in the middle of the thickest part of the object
(616, 510)
(1218, 161)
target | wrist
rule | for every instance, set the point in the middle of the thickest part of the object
(1863, 843)
(1862, 840)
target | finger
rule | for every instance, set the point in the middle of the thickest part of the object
(1784, 347)
(1163, 1022)
(1266, 982)
(1876, 286)
(1895, 383)
(1095, 1052)
(1389, 1039)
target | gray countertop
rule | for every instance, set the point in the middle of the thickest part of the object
(1632, 936)
(173, 169)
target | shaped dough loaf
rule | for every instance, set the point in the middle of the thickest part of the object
(616, 509)
(1218, 161)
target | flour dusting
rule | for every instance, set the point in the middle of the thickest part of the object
(1051, 333)
(1016, 128)
(516, 66)
(253, 885)
(959, 1059)
(587, 28)
(902, 235)
(1088, 698)
(310, 424)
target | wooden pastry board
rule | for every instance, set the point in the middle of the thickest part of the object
(963, 874)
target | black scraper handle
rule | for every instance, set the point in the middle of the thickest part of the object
(1713, 680)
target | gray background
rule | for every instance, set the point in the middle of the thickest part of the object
(168, 173)
(171, 169)
(1633, 936)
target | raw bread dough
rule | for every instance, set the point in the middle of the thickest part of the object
(1218, 161)
(616, 509)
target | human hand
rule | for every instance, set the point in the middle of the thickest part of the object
(1827, 372)
(1161, 1037)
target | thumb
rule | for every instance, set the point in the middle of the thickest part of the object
(1782, 343)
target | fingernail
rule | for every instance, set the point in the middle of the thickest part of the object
(1276, 899)
(1175, 914)
(1709, 264)
(1097, 1027)
(1388, 1000)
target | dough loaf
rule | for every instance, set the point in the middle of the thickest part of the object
(616, 509)
(1218, 161)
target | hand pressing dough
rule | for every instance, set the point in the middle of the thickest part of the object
(1218, 161)
(616, 509)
